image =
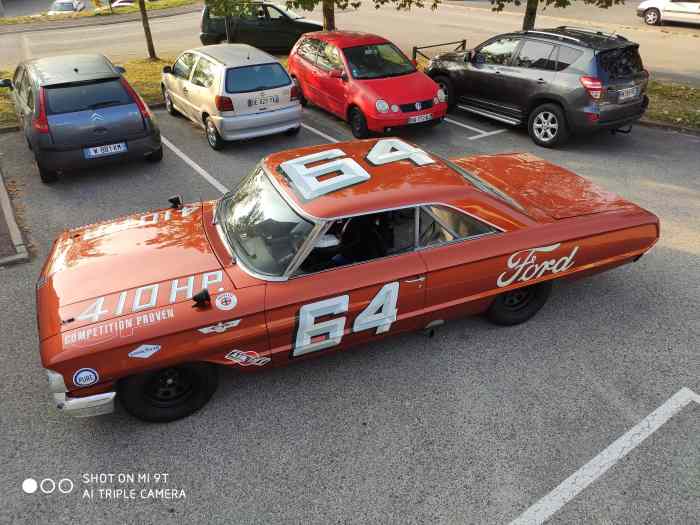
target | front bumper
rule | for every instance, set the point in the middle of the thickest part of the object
(381, 122)
(89, 406)
(258, 124)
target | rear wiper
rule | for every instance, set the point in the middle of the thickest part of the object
(105, 104)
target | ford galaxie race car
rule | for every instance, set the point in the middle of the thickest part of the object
(318, 249)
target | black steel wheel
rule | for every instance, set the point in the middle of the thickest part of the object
(519, 305)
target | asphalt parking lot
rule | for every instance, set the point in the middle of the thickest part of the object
(571, 415)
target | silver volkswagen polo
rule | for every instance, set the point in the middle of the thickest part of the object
(234, 91)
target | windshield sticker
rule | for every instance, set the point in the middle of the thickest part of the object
(525, 265)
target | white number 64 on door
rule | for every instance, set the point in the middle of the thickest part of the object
(380, 313)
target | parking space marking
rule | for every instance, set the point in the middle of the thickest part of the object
(480, 132)
(599, 465)
(319, 133)
(196, 167)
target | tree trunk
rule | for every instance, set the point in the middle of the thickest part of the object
(328, 15)
(147, 30)
(530, 14)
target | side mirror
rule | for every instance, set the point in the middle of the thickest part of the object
(121, 70)
(175, 202)
(6, 83)
(336, 73)
(167, 70)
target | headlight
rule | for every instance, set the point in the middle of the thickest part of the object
(381, 106)
(394, 108)
(441, 95)
(56, 383)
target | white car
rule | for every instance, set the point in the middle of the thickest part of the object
(65, 7)
(234, 91)
(656, 12)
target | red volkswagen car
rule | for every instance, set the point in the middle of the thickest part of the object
(366, 80)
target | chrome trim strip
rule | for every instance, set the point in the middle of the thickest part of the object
(490, 114)
(89, 406)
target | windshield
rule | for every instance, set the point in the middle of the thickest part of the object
(256, 78)
(262, 230)
(61, 6)
(377, 61)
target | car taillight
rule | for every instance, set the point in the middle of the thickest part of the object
(593, 86)
(41, 122)
(294, 93)
(143, 107)
(223, 103)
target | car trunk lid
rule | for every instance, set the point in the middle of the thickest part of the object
(545, 191)
(258, 88)
(92, 113)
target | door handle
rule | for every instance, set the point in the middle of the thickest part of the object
(541, 81)
(418, 279)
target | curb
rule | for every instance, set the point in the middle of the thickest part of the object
(15, 234)
(669, 127)
(9, 29)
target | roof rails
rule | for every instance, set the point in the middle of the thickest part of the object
(555, 35)
(591, 31)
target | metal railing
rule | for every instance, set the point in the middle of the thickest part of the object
(461, 46)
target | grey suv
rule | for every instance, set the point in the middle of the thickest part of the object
(554, 81)
(79, 111)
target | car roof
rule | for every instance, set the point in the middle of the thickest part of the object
(64, 69)
(586, 37)
(236, 54)
(393, 185)
(344, 39)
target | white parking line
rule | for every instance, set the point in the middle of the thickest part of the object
(196, 167)
(319, 133)
(599, 465)
(480, 132)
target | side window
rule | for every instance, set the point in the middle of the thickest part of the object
(274, 14)
(364, 238)
(183, 66)
(203, 73)
(440, 224)
(329, 57)
(536, 55)
(499, 51)
(308, 49)
(567, 56)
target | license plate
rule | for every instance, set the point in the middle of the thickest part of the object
(263, 100)
(420, 118)
(105, 151)
(628, 93)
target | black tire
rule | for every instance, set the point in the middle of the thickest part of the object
(47, 176)
(169, 103)
(302, 99)
(652, 17)
(358, 124)
(293, 131)
(446, 85)
(156, 156)
(213, 137)
(547, 126)
(519, 305)
(168, 394)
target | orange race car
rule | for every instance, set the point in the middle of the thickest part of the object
(318, 249)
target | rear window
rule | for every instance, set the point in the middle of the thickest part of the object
(256, 78)
(619, 63)
(83, 97)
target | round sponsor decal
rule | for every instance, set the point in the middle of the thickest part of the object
(86, 377)
(226, 301)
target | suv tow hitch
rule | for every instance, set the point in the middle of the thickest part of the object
(626, 130)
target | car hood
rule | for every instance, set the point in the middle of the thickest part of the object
(403, 89)
(545, 191)
(90, 268)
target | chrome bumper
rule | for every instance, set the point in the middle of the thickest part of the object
(89, 406)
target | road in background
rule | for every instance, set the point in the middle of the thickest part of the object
(33, 7)
(667, 53)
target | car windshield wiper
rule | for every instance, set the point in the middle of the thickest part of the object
(106, 103)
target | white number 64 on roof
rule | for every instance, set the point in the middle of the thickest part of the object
(306, 179)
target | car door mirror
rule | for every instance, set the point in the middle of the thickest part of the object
(167, 70)
(6, 83)
(119, 69)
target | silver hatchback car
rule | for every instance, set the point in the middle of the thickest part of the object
(234, 91)
(78, 111)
